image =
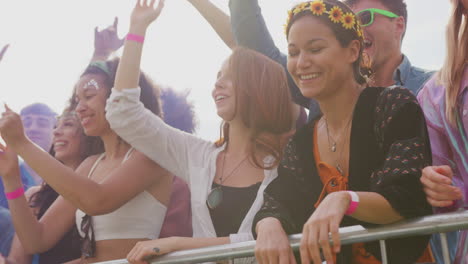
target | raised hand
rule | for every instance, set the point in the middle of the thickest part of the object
(8, 162)
(106, 41)
(11, 128)
(2, 53)
(144, 13)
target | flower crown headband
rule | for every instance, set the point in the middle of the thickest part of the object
(335, 14)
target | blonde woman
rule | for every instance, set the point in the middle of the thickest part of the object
(444, 100)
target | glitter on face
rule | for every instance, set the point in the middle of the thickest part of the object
(92, 83)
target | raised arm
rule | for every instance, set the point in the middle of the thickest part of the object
(18, 254)
(173, 149)
(35, 236)
(250, 30)
(131, 177)
(218, 20)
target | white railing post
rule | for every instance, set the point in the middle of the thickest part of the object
(383, 251)
(445, 249)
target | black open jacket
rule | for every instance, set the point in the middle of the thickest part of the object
(389, 147)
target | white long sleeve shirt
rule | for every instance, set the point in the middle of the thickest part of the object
(185, 155)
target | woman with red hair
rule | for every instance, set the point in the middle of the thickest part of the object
(226, 178)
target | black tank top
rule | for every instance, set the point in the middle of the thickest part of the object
(228, 216)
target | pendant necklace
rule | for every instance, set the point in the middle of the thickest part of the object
(215, 197)
(332, 146)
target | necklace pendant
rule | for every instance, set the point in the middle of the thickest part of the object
(215, 197)
(333, 147)
(339, 169)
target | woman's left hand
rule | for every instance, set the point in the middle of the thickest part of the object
(145, 250)
(144, 13)
(11, 128)
(325, 220)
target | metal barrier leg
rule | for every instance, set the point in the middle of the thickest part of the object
(383, 251)
(445, 250)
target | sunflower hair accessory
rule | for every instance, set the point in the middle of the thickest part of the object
(318, 8)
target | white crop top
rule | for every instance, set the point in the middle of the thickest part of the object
(141, 217)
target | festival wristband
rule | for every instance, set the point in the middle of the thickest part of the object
(353, 204)
(134, 37)
(15, 194)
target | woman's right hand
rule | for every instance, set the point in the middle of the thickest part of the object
(272, 244)
(11, 129)
(437, 184)
(144, 14)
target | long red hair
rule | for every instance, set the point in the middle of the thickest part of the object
(263, 102)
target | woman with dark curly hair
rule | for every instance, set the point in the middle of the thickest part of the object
(109, 224)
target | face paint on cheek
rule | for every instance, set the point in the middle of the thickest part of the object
(92, 84)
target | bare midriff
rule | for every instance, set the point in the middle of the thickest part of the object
(113, 249)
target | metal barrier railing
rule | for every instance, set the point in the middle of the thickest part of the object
(440, 223)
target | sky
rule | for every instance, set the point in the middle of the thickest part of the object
(51, 42)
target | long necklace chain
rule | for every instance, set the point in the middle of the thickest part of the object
(222, 177)
(215, 197)
(333, 145)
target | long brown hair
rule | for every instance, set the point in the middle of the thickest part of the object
(451, 73)
(262, 101)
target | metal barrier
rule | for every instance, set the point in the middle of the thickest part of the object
(440, 223)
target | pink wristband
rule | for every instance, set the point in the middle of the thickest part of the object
(15, 194)
(134, 37)
(353, 204)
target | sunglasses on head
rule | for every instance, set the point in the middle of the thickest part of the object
(366, 16)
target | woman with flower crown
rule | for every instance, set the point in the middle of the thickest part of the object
(359, 163)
